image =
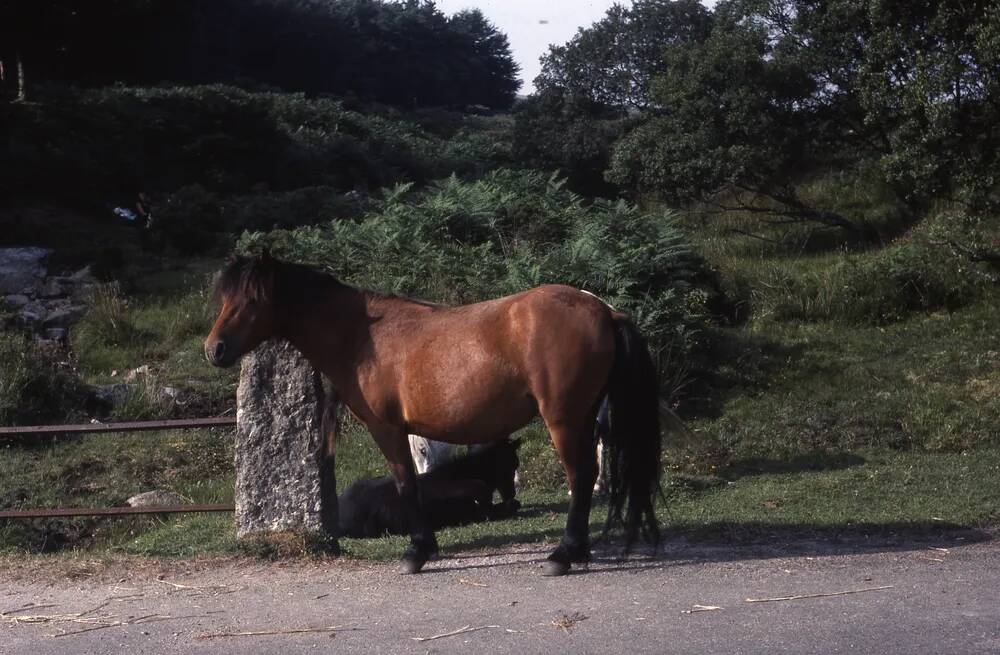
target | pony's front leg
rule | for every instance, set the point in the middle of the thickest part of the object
(423, 544)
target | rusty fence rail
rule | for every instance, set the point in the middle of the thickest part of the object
(104, 428)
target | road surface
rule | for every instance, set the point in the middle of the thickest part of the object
(936, 596)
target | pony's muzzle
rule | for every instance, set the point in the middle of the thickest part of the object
(215, 353)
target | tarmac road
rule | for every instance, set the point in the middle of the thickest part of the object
(941, 596)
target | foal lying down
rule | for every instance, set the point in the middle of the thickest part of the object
(455, 493)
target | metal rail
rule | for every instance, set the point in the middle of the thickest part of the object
(103, 428)
(135, 426)
(110, 511)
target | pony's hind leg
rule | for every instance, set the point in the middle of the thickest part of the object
(577, 451)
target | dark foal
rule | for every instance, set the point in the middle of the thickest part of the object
(456, 493)
(468, 374)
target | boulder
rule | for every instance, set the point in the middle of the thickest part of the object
(55, 334)
(31, 314)
(136, 372)
(156, 498)
(22, 269)
(16, 301)
(83, 275)
(110, 395)
(284, 482)
(54, 288)
(65, 316)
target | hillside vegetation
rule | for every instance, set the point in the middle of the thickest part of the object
(809, 240)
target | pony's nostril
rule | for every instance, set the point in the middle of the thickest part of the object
(218, 351)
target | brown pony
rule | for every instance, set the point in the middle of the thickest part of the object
(468, 374)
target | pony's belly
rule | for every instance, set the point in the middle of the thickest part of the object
(466, 394)
(466, 423)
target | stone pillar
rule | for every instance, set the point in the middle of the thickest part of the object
(284, 476)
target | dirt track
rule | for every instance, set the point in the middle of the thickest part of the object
(943, 597)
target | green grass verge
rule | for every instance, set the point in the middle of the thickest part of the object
(815, 424)
(864, 494)
(930, 383)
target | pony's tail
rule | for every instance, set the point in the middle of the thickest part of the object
(634, 439)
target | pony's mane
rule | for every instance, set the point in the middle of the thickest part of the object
(250, 278)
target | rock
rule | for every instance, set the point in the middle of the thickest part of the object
(22, 269)
(283, 482)
(32, 314)
(111, 394)
(136, 372)
(83, 275)
(16, 301)
(53, 288)
(170, 393)
(83, 284)
(65, 316)
(83, 293)
(56, 334)
(156, 498)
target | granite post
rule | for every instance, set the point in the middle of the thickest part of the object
(285, 477)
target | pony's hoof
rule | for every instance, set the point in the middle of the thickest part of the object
(553, 568)
(411, 566)
(413, 560)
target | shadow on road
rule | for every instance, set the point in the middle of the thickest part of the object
(727, 542)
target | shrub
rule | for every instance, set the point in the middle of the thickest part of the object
(289, 209)
(86, 147)
(557, 130)
(926, 270)
(34, 386)
(459, 242)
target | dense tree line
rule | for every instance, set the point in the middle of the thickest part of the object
(404, 52)
(749, 99)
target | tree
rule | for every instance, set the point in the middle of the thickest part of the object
(487, 72)
(930, 78)
(731, 122)
(399, 52)
(556, 129)
(614, 61)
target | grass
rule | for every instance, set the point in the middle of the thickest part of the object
(899, 494)
(156, 327)
(870, 493)
(877, 495)
(865, 493)
(930, 383)
(103, 471)
(821, 420)
(152, 310)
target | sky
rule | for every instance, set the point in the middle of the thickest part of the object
(532, 25)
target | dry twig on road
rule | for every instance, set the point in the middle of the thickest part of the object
(835, 593)
(700, 608)
(30, 606)
(261, 633)
(460, 631)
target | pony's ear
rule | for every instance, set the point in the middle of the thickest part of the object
(516, 443)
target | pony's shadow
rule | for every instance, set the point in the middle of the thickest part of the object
(690, 544)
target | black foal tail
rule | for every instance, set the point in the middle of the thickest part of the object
(634, 440)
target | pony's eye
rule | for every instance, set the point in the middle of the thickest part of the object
(423, 451)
